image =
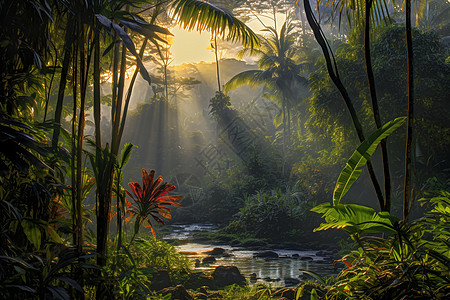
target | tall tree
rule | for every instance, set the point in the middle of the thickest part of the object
(278, 71)
(407, 199)
(334, 75)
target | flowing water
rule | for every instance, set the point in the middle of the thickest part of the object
(275, 271)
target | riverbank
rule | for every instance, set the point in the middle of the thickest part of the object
(258, 260)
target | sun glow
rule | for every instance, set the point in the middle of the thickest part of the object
(190, 46)
(195, 47)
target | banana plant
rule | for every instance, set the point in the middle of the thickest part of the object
(358, 219)
(360, 157)
(355, 219)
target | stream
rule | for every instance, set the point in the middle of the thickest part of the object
(281, 271)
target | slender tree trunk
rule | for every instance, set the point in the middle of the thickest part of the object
(115, 142)
(166, 64)
(166, 88)
(283, 107)
(120, 209)
(410, 115)
(129, 91)
(334, 75)
(49, 93)
(119, 212)
(376, 112)
(63, 81)
(105, 193)
(288, 109)
(97, 95)
(104, 187)
(217, 62)
(74, 147)
(79, 157)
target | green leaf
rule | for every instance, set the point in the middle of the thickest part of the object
(314, 275)
(125, 154)
(360, 157)
(314, 295)
(54, 237)
(355, 218)
(32, 232)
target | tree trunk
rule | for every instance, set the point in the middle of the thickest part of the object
(129, 91)
(62, 82)
(115, 142)
(407, 201)
(376, 112)
(217, 63)
(97, 95)
(333, 72)
(74, 148)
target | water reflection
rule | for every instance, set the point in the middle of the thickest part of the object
(266, 270)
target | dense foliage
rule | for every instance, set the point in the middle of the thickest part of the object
(264, 165)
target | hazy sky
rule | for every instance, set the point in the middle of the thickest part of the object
(192, 47)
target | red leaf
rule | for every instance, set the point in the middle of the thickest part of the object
(137, 190)
(349, 265)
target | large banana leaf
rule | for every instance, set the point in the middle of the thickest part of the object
(353, 170)
(355, 218)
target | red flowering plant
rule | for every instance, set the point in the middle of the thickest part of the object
(151, 201)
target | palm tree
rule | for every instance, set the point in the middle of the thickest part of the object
(278, 71)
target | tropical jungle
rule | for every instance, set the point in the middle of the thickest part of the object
(224, 149)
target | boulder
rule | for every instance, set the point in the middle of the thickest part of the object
(179, 292)
(266, 254)
(208, 260)
(197, 280)
(227, 275)
(160, 280)
(217, 251)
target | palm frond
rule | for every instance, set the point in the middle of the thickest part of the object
(252, 78)
(202, 15)
(354, 10)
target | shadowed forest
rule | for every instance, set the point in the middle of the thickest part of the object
(305, 156)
